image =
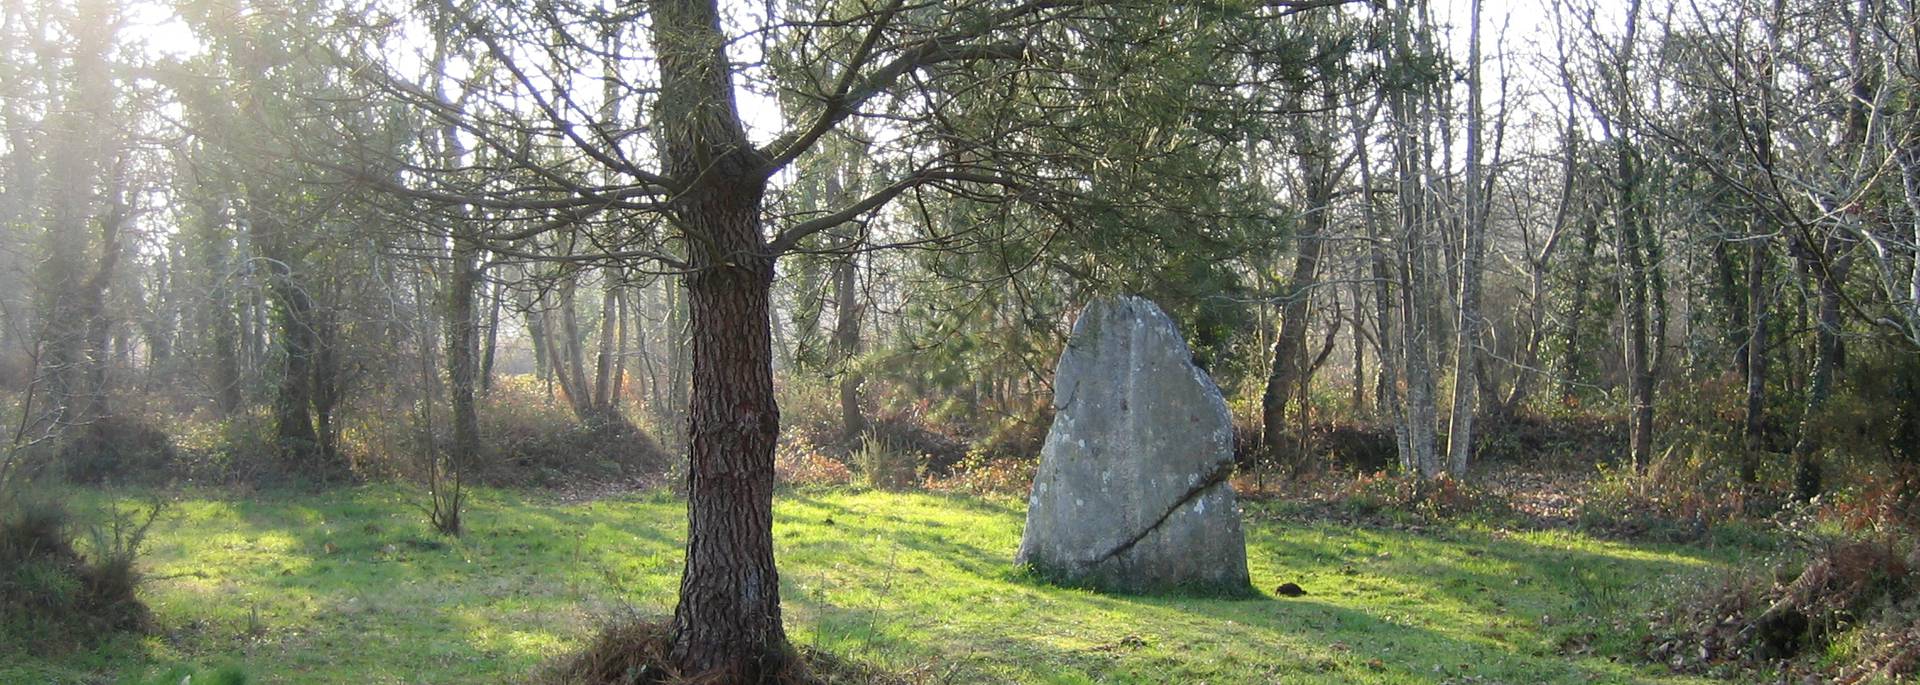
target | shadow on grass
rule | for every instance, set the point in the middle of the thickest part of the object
(353, 582)
(1387, 606)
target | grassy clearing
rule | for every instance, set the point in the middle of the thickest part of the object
(351, 587)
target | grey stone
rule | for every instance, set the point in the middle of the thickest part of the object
(1132, 492)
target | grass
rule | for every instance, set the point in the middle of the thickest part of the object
(350, 586)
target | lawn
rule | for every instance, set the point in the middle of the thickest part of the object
(350, 586)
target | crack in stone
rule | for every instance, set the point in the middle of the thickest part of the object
(1219, 475)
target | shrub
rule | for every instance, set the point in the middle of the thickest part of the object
(810, 411)
(52, 597)
(1682, 495)
(531, 440)
(1355, 446)
(111, 450)
(568, 452)
(1876, 413)
(1848, 609)
(916, 441)
(1017, 437)
(236, 449)
(798, 461)
(1431, 499)
(1528, 438)
(984, 474)
(884, 466)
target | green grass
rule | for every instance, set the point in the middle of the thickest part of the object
(351, 587)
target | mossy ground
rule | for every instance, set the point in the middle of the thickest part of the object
(350, 586)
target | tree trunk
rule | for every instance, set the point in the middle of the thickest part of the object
(564, 358)
(572, 367)
(1388, 396)
(1572, 332)
(223, 334)
(293, 430)
(1632, 252)
(727, 624)
(92, 309)
(1539, 264)
(846, 344)
(326, 389)
(1467, 343)
(1289, 348)
(1417, 303)
(622, 304)
(492, 345)
(1754, 356)
(69, 297)
(1826, 272)
(1418, 317)
(537, 337)
(220, 328)
(463, 340)
(609, 332)
(728, 618)
(1359, 401)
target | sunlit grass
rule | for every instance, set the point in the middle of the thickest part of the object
(352, 587)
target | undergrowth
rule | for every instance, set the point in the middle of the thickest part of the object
(1840, 605)
(65, 585)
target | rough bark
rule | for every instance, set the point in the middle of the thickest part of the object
(728, 618)
(727, 624)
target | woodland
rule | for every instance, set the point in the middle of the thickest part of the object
(605, 341)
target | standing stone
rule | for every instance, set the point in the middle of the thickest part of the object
(1132, 492)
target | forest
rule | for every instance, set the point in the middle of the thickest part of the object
(690, 341)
